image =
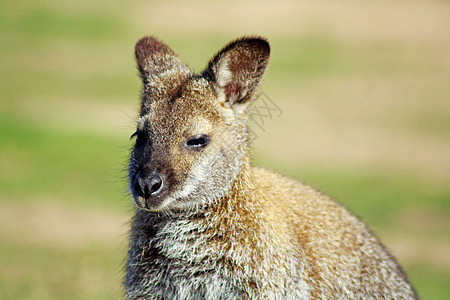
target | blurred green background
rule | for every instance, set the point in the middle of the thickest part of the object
(363, 87)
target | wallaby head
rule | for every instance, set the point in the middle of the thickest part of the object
(191, 137)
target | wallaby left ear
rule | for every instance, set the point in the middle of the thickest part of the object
(239, 67)
(154, 59)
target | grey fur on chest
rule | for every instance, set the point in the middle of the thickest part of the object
(178, 260)
(171, 260)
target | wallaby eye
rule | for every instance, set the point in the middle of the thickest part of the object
(197, 142)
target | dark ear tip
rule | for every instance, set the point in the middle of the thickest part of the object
(151, 44)
(257, 43)
(147, 46)
(263, 43)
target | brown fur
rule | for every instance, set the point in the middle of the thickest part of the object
(211, 226)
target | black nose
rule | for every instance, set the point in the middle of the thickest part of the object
(148, 186)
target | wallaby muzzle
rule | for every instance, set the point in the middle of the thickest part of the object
(147, 188)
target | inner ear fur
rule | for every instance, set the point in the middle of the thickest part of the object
(238, 68)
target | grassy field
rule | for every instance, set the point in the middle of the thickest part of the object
(363, 91)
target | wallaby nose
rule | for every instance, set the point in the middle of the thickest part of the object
(149, 186)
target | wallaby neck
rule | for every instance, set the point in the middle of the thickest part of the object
(238, 203)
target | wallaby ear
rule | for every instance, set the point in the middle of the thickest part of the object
(239, 67)
(154, 58)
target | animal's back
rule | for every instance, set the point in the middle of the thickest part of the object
(341, 257)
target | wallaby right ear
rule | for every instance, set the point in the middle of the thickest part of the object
(153, 58)
(239, 67)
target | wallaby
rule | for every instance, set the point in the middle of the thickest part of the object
(207, 224)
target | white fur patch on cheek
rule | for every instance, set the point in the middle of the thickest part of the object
(196, 178)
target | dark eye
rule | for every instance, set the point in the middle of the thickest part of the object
(197, 142)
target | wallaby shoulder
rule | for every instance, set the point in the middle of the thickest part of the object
(337, 246)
